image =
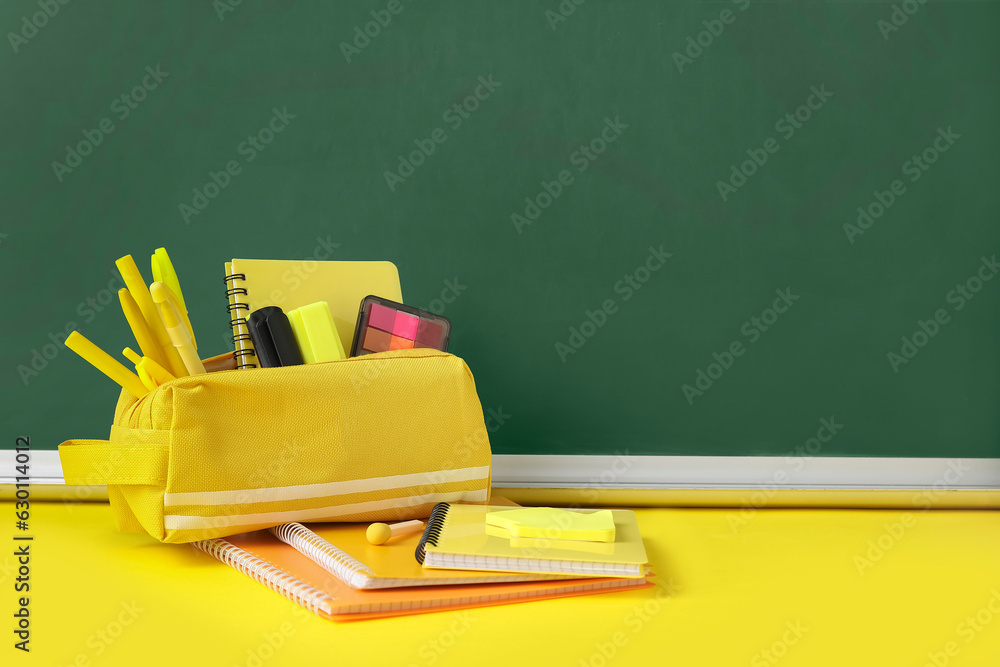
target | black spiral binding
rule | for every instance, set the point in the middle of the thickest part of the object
(233, 310)
(435, 524)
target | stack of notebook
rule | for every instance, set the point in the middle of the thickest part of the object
(459, 561)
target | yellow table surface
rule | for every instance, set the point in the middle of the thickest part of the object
(776, 587)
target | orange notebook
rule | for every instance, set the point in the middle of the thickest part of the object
(284, 570)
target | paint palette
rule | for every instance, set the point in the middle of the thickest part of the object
(386, 325)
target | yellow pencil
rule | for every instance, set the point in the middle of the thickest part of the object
(105, 363)
(137, 287)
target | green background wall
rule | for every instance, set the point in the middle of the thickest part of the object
(682, 127)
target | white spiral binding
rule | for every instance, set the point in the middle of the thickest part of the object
(352, 572)
(297, 591)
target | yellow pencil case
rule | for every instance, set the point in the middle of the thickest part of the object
(381, 437)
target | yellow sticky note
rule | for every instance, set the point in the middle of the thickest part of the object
(555, 524)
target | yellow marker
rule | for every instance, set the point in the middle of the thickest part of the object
(137, 322)
(175, 329)
(380, 533)
(105, 363)
(315, 332)
(163, 272)
(147, 368)
(137, 287)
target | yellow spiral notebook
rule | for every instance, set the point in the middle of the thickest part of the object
(252, 284)
(457, 537)
(343, 550)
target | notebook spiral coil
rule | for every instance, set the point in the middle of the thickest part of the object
(297, 591)
(332, 559)
(238, 321)
(433, 531)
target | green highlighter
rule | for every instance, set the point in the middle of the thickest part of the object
(316, 334)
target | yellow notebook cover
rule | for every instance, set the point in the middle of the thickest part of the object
(343, 550)
(458, 537)
(252, 284)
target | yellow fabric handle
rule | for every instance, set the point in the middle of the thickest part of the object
(100, 462)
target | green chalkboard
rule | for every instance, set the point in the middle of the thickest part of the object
(662, 227)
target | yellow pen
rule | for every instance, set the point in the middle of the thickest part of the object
(180, 310)
(175, 329)
(163, 272)
(137, 287)
(137, 322)
(105, 363)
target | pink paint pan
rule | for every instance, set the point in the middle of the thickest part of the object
(386, 325)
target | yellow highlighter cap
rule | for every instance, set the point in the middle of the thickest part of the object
(316, 333)
(163, 272)
(161, 297)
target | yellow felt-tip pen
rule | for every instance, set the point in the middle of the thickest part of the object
(137, 287)
(105, 363)
(175, 328)
(163, 272)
